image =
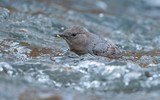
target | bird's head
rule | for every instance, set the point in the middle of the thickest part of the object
(76, 37)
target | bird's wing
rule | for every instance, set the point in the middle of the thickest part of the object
(107, 50)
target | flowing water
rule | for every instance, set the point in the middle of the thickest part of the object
(36, 65)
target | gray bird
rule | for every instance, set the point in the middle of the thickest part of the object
(81, 41)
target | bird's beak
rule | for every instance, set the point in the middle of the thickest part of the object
(60, 35)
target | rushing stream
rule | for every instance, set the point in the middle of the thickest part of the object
(36, 65)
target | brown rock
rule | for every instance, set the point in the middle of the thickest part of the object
(37, 95)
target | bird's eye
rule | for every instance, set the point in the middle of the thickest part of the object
(74, 34)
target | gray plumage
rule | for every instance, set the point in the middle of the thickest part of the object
(81, 41)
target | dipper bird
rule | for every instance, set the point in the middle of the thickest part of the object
(81, 41)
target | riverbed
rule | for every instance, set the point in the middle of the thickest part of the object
(37, 65)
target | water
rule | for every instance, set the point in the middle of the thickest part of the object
(34, 64)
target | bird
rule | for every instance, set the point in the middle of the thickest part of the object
(82, 41)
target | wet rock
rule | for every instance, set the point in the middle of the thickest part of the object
(55, 95)
(34, 95)
(6, 68)
(152, 3)
(4, 13)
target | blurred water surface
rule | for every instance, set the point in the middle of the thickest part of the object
(35, 65)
